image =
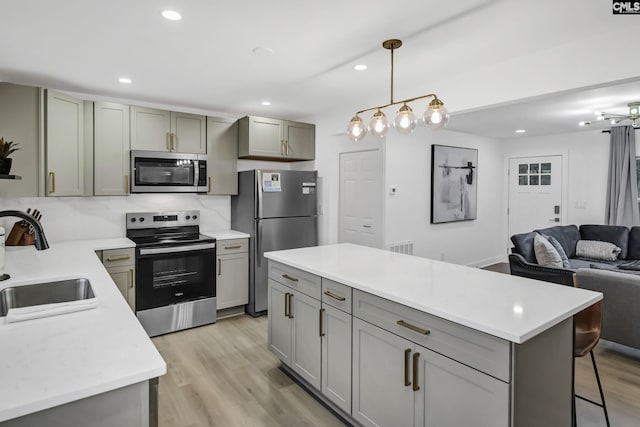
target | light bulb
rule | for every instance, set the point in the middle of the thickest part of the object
(436, 116)
(405, 120)
(379, 125)
(356, 130)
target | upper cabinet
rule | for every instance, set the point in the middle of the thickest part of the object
(64, 135)
(111, 149)
(222, 153)
(160, 130)
(271, 139)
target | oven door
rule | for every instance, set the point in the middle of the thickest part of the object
(169, 275)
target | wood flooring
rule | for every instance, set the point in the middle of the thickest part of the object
(224, 375)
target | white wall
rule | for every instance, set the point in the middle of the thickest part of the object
(586, 157)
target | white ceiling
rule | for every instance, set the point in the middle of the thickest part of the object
(206, 61)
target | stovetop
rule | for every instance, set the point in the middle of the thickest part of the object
(165, 228)
(170, 240)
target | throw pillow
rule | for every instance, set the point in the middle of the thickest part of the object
(558, 247)
(594, 249)
(546, 254)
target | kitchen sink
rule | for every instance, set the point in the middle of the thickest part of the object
(44, 293)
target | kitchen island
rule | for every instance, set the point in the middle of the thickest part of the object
(389, 339)
(92, 367)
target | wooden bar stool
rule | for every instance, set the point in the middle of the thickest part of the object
(588, 327)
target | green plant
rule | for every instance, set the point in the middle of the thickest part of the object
(7, 147)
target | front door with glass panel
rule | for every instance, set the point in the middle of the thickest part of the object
(535, 193)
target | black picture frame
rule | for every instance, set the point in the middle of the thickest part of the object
(454, 184)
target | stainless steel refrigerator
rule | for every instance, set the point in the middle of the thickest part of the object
(279, 210)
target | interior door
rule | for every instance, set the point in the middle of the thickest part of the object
(535, 193)
(361, 198)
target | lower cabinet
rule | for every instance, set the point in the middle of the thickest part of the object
(336, 356)
(396, 382)
(120, 264)
(294, 324)
(232, 273)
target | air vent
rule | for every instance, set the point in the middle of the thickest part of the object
(402, 247)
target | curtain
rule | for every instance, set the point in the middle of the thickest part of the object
(622, 186)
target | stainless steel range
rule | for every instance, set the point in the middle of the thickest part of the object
(175, 271)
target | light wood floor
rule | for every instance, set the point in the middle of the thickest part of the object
(224, 375)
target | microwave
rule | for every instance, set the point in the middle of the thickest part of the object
(163, 172)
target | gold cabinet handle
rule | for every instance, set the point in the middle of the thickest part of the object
(334, 296)
(131, 286)
(286, 146)
(413, 327)
(407, 354)
(169, 146)
(219, 266)
(52, 179)
(126, 184)
(209, 188)
(290, 306)
(233, 246)
(119, 258)
(286, 304)
(282, 147)
(416, 387)
(321, 322)
(293, 279)
(174, 143)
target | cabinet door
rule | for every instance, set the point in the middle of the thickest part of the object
(65, 145)
(300, 140)
(150, 129)
(380, 369)
(336, 357)
(222, 156)
(232, 280)
(454, 394)
(124, 278)
(279, 323)
(306, 342)
(111, 149)
(189, 133)
(260, 137)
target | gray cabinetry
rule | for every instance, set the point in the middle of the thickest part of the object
(64, 136)
(273, 139)
(120, 264)
(232, 273)
(160, 130)
(222, 155)
(111, 149)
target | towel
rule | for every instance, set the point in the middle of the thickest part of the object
(46, 310)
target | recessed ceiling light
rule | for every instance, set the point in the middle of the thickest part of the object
(266, 103)
(360, 67)
(520, 131)
(262, 51)
(125, 80)
(171, 15)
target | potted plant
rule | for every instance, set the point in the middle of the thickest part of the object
(6, 148)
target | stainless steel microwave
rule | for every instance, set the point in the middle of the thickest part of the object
(163, 172)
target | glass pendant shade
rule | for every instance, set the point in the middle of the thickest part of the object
(379, 125)
(405, 121)
(356, 130)
(436, 116)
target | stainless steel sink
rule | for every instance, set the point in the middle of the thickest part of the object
(44, 293)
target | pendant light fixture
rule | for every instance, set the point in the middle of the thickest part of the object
(435, 117)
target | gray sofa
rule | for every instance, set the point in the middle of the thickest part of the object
(618, 280)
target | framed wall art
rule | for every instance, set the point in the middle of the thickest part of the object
(454, 184)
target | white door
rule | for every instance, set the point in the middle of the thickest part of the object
(535, 193)
(361, 198)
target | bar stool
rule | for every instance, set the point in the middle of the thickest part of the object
(588, 327)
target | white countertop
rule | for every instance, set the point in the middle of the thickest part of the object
(509, 307)
(51, 361)
(225, 234)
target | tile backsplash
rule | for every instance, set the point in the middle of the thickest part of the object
(77, 218)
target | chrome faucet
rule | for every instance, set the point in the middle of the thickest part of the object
(41, 240)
